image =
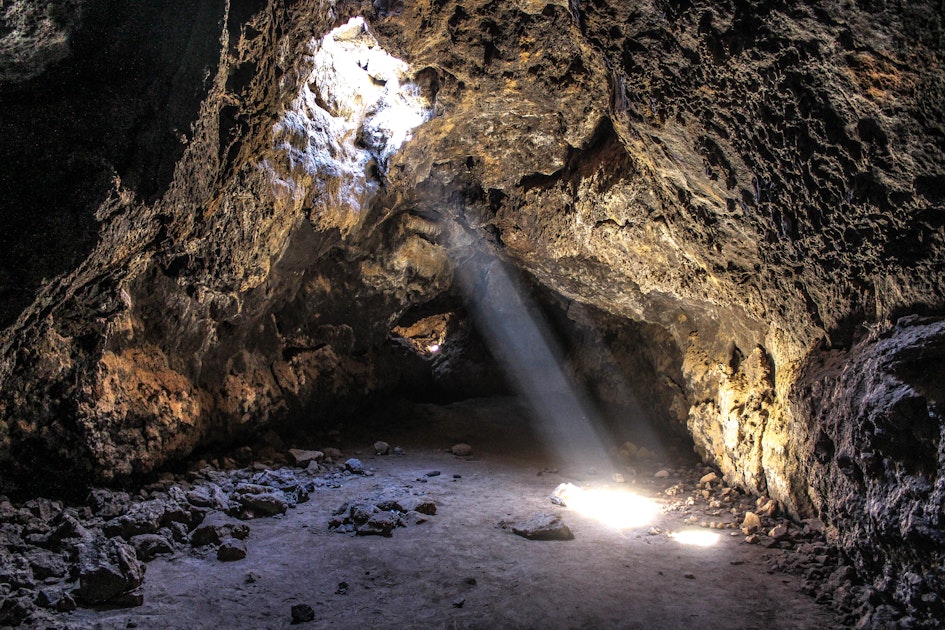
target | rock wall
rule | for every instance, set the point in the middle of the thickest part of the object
(757, 190)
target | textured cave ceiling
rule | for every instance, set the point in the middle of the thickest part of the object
(732, 213)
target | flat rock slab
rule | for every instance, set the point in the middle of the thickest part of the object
(543, 527)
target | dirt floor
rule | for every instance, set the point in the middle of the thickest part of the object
(461, 569)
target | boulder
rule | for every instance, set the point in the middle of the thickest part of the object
(107, 569)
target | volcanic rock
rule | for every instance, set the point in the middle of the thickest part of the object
(303, 458)
(231, 550)
(215, 528)
(107, 569)
(302, 613)
(543, 527)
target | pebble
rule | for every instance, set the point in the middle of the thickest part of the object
(354, 466)
(458, 602)
(381, 448)
(302, 613)
(661, 474)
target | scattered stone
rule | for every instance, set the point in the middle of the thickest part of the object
(217, 527)
(689, 576)
(421, 504)
(645, 453)
(265, 504)
(108, 568)
(459, 602)
(332, 454)
(231, 550)
(380, 524)
(381, 448)
(252, 577)
(461, 450)
(432, 473)
(661, 474)
(753, 539)
(56, 599)
(354, 466)
(543, 526)
(412, 518)
(767, 507)
(751, 523)
(813, 525)
(399, 451)
(302, 613)
(618, 478)
(708, 478)
(148, 546)
(303, 458)
(471, 581)
(778, 531)
(342, 588)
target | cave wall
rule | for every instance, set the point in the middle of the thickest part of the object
(757, 190)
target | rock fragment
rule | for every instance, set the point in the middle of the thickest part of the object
(108, 568)
(381, 448)
(708, 478)
(778, 531)
(543, 526)
(461, 450)
(354, 466)
(303, 458)
(216, 528)
(661, 474)
(751, 523)
(302, 613)
(231, 550)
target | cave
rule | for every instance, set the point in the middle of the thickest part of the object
(462, 313)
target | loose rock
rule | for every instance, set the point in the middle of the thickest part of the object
(543, 527)
(302, 613)
(108, 568)
(303, 458)
(461, 450)
(231, 550)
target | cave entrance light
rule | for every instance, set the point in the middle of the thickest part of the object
(520, 339)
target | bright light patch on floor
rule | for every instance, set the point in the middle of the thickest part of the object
(620, 509)
(434, 348)
(696, 538)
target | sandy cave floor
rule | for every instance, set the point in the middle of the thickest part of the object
(460, 569)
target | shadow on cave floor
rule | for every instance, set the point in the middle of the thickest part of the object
(462, 568)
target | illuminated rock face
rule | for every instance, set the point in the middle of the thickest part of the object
(737, 201)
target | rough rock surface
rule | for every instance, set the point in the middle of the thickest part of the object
(741, 201)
